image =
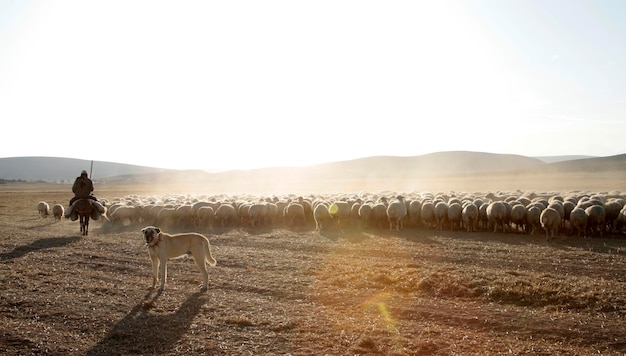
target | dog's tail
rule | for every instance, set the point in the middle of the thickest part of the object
(208, 256)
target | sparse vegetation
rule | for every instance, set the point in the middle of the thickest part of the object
(282, 291)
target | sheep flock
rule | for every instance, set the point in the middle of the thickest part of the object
(581, 214)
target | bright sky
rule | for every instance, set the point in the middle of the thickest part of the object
(250, 84)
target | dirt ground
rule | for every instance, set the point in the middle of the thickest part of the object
(286, 291)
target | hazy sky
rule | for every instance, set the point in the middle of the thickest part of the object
(247, 84)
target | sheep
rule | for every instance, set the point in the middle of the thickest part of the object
(612, 209)
(185, 216)
(273, 214)
(379, 215)
(455, 215)
(550, 221)
(258, 214)
(518, 216)
(294, 214)
(225, 215)
(396, 213)
(496, 213)
(308, 209)
(365, 215)
(483, 219)
(415, 212)
(578, 221)
(322, 217)
(568, 206)
(205, 216)
(596, 218)
(470, 217)
(43, 209)
(620, 222)
(428, 214)
(354, 213)
(340, 213)
(533, 218)
(243, 213)
(558, 206)
(124, 215)
(166, 216)
(441, 214)
(58, 211)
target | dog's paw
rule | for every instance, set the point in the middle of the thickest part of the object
(203, 288)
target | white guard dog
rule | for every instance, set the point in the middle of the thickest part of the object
(163, 246)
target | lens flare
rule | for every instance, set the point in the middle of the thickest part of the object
(379, 302)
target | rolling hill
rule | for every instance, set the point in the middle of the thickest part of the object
(364, 173)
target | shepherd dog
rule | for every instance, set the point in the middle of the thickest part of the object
(163, 246)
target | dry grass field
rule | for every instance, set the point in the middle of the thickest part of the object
(282, 291)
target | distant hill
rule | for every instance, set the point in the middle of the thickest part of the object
(553, 159)
(55, 169)
(354, 174)
(597, 164)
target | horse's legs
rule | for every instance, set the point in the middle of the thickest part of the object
(84, 224)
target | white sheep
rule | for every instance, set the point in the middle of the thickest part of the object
(612, 209)
(496, 213)
(396, 213)
(185, 216)
(533, 217)
(428, 213)
(470, 217)
(43, 209)
(205, 216)
(294, 214)
(258, 214)
(519, 216)
(596, 218)
(415, 212)
(340, 213)
(125, 215)
(550, 221)
(166, 216)
(455, 215)
(321, 216)
(57, 211)
(365, 215)
(441, 213)
(379, 215)
(578, 221)
(226, 215)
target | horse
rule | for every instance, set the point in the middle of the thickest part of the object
(84, 208)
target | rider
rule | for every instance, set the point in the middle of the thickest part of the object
(83, 188)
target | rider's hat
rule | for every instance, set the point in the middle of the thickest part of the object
(83, 173)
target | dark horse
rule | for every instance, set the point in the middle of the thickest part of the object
(84, 208)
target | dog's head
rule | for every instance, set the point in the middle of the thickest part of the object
(150, 233)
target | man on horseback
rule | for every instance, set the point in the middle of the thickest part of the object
(83, 188)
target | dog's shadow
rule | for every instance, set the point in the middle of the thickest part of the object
(142, 332)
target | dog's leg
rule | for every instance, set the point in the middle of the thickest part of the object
(163, 273)
(155, 270)
(199, 258)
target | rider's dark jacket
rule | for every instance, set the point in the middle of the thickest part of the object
(82, 188)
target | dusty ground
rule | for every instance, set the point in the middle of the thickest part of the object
(278, 291)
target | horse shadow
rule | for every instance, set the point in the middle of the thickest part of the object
(142, 332)
(41, 244)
